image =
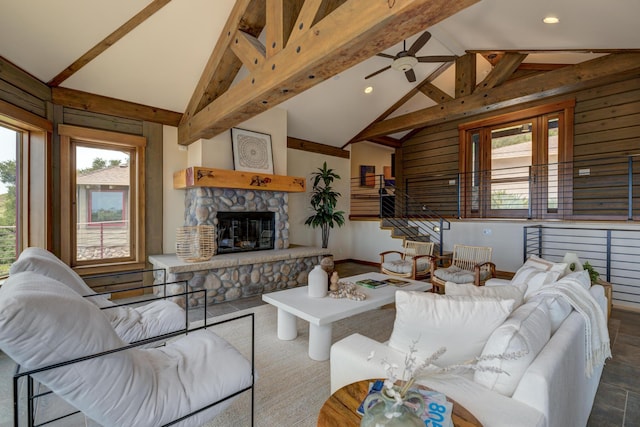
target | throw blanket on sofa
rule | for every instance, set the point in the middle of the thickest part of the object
(597, 348)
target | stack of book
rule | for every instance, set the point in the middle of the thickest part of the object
(373, 284)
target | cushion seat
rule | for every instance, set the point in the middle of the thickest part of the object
(456, 274)
(405, 266)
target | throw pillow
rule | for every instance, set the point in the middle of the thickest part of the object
(534, 278)
(515, 292)
(543, 264)
(526, 330)
(428, 321)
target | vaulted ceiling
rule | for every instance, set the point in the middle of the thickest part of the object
(206, 66)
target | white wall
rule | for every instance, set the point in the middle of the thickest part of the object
(369, 154)
(303, 163)
(174, 159)
(214, 153)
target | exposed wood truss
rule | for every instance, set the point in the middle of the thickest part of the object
(314, 147)
(335, 36)
(500, 89)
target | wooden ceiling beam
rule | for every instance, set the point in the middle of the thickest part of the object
(114, 107)
(552, 83)
(435, 93)
(465, 75)
(353, 32)
(249, 50)
(502, 70)
(223, 65)
(305, 19)
(108, 41)
(274, 27)
(315, 147)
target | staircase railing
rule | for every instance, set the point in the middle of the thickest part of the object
(408, 217)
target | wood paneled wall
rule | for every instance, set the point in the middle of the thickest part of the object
(28, 93)
(606, 131)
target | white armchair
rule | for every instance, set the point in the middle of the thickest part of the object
(66, 343)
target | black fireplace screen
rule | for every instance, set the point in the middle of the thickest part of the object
(245, 231)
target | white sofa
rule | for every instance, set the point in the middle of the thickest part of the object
(554, 390)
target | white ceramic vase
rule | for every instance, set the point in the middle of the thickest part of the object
(318, 282)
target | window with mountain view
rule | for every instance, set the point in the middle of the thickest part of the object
(9, 143)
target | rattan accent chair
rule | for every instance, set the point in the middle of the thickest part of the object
(414, 263)
(469, 264)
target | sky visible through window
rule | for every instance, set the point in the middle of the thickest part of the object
(7, 150)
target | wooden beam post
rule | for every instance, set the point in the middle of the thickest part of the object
(353, 32)
(465, 75)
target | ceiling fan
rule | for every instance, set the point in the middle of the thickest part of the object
(405, 60)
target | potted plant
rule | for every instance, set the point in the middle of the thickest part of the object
(323, 202)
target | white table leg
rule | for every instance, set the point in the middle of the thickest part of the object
(319, 341)
(287, 329)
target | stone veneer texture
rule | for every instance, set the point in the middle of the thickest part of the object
(230, 283)
(202, 205)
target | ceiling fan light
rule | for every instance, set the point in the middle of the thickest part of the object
(404, 63)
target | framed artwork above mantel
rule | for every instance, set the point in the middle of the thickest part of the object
(252, 151)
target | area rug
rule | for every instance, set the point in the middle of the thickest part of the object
(291, 388)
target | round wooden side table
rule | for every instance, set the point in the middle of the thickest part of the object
(340, 409)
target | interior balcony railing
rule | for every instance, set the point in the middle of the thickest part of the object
(406, 217)
(585, 189)
(613, 252)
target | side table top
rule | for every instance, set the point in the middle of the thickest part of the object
(340, 408)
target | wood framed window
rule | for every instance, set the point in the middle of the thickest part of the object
(514, 165)
(25, 188)
(102, 199)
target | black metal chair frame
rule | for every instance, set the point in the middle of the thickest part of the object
(160, 339)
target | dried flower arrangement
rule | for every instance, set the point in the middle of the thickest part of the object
(415, 370)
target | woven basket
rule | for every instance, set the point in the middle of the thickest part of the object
(195, 243)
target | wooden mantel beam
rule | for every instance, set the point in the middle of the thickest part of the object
(355, 31)
(552, 83)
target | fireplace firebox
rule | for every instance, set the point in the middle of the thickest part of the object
(245, 231)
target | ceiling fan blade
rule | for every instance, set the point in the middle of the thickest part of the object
(385, 55)
(378, 72)
(411, 75)
(434, 58)
(420, 41)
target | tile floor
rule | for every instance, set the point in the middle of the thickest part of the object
(617, 402)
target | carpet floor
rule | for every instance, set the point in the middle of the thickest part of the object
(291, 388)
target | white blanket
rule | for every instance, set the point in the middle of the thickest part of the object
(597, 348)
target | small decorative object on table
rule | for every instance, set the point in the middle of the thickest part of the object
(318, 281)
(433, 409)
(334, 281)
(349, 291)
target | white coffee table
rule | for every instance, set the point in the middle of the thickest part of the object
(322, 312)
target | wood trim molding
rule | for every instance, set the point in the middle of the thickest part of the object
(115, 107)
(314, 147)
(18, 117)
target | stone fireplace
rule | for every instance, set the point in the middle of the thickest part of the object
(203, 204)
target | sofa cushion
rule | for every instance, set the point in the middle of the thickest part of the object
(405, 266)
(527, 330)
(462, 324)
(44, 262)
(515, 292)
(545, 265)
(534, 278)
(559, 308)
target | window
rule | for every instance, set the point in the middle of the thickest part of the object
(510, 164)
(103, 208)
(9, 241)
(25, 209)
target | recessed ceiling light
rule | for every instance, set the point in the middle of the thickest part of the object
(368, 89)
(550, 20)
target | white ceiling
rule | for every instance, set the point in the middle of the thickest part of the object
(159, 63)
